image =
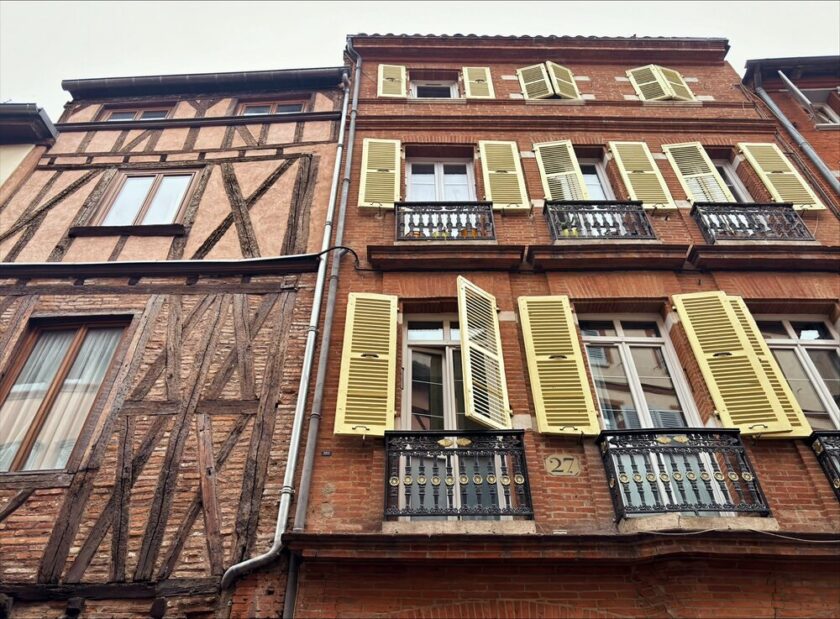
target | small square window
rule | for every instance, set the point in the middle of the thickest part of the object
(425, 89)
(147, 198)
(126, 115)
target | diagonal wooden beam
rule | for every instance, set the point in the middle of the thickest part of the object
(239, 208)
(15, 502)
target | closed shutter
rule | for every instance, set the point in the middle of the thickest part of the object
(504, 183)
(535, 82)
(392, 81)
(793, 412)
(380, 178)
(697, 173)
(560, 172)
(641, 175)
(649, 85)
(367, 383)
(563, 81)
(562, 397)
(477, 83)
(485, 391)
(740, 389)
(782, 180)
(677, 85)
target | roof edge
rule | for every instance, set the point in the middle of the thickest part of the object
(25, 123)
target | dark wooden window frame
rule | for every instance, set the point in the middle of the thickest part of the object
(111, 195)
(273, 103)
(37, 326)
(107, 112)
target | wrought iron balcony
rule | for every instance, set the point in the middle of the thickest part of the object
(826, 446)
(456, 474)
(698, 471)
(722, 221)
(597, 220)
(445, 221)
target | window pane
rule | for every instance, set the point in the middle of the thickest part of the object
(660, 395)
(58, 436)
(454, 331)
(827, 363)
(773, 329)
(288, 108)
(421, 186)
(434, 92)
(640, 329)
(116, 116)
(811, 331)
(127, 204)
(425, 331)
(612, 387)
(29, 390)
(456, 183)
(426, 391)
(153, 115)
(593, 182)
(256, 110)
(167, 200)
(803, 390)
(600, 328)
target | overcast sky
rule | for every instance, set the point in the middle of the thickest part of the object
(42, 43)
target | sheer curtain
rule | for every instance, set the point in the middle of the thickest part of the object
(64, 422)
(29, 390)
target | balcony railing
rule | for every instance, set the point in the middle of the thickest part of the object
(826, 446)
(597, 220)
(722, 221)
(456, 474)
(698, 471)
(445, 221)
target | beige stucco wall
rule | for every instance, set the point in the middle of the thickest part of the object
(10, 157)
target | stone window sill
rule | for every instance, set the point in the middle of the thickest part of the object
(461, 527)
(678, 522)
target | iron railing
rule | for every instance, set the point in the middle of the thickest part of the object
(445, 221)
(826, 446)
(697, 471)
(456, 474)
(597, 220)
(722, 221)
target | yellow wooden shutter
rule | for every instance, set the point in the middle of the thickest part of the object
(477, 83)
(504, 183)
(649, 84)
(740, 389)
(641, 175)
(562, 397)
(485, 390)
(697, 173)
(392, 81)
(560, 172)
(563, 81)
(793, 412)
(535, 82)
(380, 177)
(679, 89)
(782, 180)
(367, 383)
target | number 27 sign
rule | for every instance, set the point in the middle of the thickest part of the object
(562, 465)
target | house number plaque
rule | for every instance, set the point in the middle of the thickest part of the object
(562, 465)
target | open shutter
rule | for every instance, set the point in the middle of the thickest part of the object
(697, 173)
(391, 81)
(504, 183)
(477, 83)
(740, 389)
(563, 81)
(380, 178)
(367, 384)
(485, 390)
(641, 175)
(562, 397)
(560, 172)
(793, 412)
(782, 180)
(677, 85)
(535, 82)
(649, 84)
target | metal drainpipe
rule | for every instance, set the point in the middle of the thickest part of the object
(801, 142)
(323, 356)
(240, 569)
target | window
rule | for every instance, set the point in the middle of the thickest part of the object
(126, 115)
(48, 396)
(596, 180)
(264, 108)
(733, 183)
(824, 112)
(426, 89)
(808, 353)
(431, 180)
(655, 83)
(637, 381)
(146, 198)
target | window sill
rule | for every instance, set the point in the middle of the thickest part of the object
(461, 527)
(154, 230)
(678, 522)
(35, 479)
(458, 101)
(673, 103)
(827, 126)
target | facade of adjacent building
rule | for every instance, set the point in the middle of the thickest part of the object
(26, 132)
(158, 266)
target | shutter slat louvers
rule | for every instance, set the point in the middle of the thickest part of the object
(641, 175)
(782, 180)
(560, 171)
(648, 83)
(380, 176)
(563, 81)
(477, 83)
(391, 81)
(698, 175)
(535, 82)
(504, 183)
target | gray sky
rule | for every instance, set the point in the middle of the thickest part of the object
(42, 43)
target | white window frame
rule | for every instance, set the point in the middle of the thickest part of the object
(735, 185)
(601, 171)
(623, 343)
(818, 98)
(454, 92)
(800, 347)
(439, 185)
(825, 108)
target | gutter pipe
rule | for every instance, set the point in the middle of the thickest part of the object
(240, 569)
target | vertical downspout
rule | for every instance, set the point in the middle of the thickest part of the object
(240, 569)
(324, 353)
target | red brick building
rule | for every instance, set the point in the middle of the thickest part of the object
(576, 366)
